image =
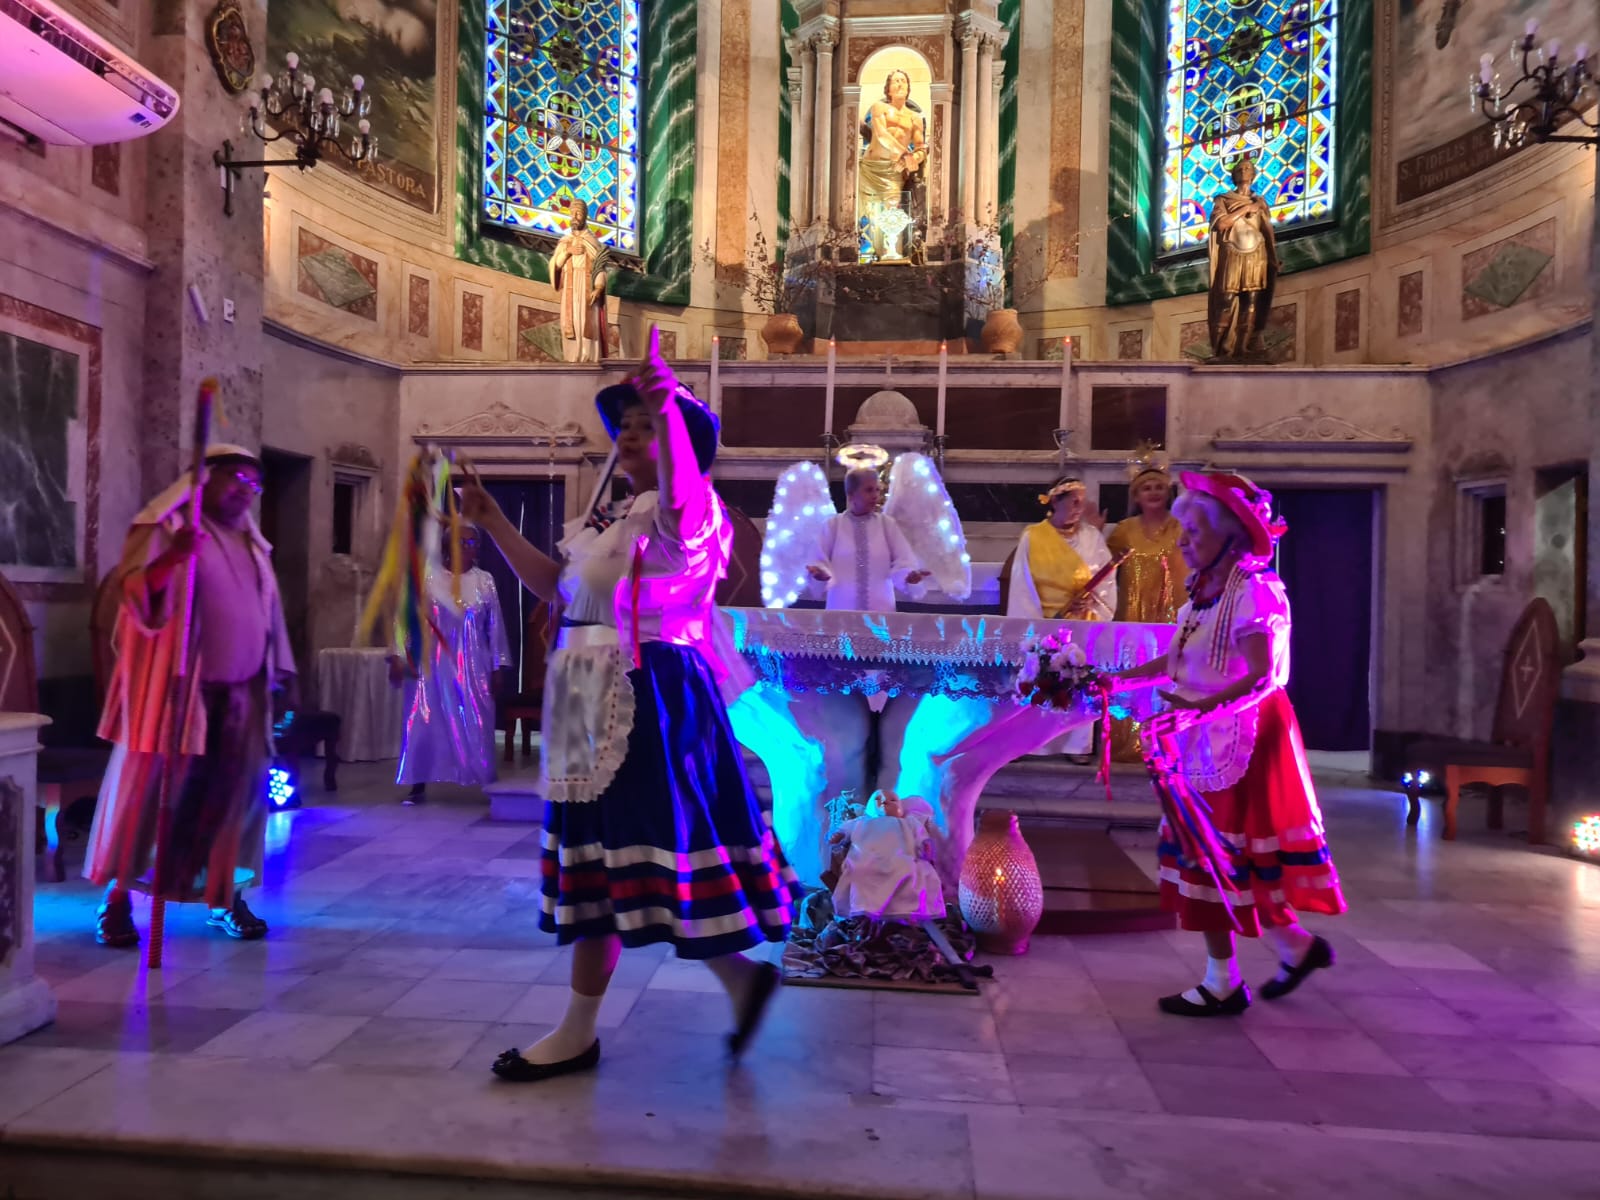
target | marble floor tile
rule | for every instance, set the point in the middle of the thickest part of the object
(1377, 1102)
(1403, 1014)
(1050, 1081)
(683, 975)
(133, 1028)
(459, 1000)
(1195, 1043)
(30, 1075)
(1074, 1036)
(934, 1022)
(401, 1044)
(1428, 955)
(1466, 1058)
(124, 980)
(402, 962)
(497, 966)
(1332, 1050)
(247, 991)
(299, 1039)
(1065, 995)
(543, 1004)
(941, 1075)
(337, 995)
(1518, 1108)
(1223, 1091)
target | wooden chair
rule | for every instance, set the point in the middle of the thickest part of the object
(66, 773)
(527, 706)
(1518, 750)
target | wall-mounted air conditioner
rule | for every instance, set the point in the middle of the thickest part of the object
(62, 84)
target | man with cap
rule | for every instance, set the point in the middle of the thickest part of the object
(238, 654)
(1050, 573)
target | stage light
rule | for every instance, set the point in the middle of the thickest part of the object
(283, 789)
(1586, 836)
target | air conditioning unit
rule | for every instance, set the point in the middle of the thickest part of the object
(62, 84)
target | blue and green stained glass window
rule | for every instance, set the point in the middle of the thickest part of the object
(561, 116)
(1255, 77)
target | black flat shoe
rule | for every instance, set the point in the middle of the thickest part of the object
(513, 1068)
(1319, 956)
(755, 1007)
(113, 925)
(1238, 1000)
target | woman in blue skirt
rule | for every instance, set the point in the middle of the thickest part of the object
(652, 832)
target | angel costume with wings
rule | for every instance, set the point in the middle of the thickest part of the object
(868, 557)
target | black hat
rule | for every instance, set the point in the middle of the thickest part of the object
(703, 425)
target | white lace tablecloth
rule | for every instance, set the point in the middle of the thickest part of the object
(355, 684)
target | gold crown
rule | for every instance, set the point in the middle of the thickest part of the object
(1148, 459)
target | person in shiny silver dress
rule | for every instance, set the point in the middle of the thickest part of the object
(450, 708)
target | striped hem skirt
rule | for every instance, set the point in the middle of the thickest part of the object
(677, 849)
(1270, 824)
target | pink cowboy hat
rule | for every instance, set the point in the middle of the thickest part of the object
(1251, 504)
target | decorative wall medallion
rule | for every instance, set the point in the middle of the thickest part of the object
(502, 423)
(228, 43)
(1313, 429)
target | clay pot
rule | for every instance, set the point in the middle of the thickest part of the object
(1002, 332)
(782, 333)
(1001, 895)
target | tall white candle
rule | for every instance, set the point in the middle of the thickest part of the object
(715, 399)
(1066, 381)
(944, 366)
(827, 408)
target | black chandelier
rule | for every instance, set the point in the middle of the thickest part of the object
(1561, 94)
(308, 118)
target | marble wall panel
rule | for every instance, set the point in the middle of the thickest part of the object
(472, 321)
(1130, 343)
(1514, 270)
(538, 334)
(337, 276)
(419, 298)
(1347, 321)
(1410, 304)
(50, 408)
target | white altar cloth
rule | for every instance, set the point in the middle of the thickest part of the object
(945, 676)
(354, 683)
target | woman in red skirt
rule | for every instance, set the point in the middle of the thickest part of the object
(1240, 747)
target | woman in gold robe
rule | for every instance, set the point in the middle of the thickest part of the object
(1151, 577)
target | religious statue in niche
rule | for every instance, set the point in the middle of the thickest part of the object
(892, 195)
(578, 273)
(1244, 267)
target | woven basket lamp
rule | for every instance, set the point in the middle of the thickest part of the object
(1002, 897)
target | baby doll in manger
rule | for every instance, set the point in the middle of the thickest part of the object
(888, 872)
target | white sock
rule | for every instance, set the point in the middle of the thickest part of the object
(736, 973)
(1291, 943)
(1222, 980)
(572, 1037)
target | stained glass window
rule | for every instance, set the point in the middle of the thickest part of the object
(1255, 77)
(561, 116)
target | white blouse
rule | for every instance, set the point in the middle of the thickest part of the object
(1217, 751)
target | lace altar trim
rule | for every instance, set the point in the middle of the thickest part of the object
(589, 712)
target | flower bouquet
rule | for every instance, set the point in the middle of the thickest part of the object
(1056, 673)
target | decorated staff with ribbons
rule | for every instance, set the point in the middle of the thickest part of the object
(1059, 572)
(1231, 736)
(193, 694)
(652, 832)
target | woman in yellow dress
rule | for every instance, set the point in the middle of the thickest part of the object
(1150, 580)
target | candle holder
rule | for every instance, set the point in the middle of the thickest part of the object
(307, 117)
(830, 449)
(1063, 439)
(1559, 95)
(940, 441)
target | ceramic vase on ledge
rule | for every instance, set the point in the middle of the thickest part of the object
(1002, 897)
(782, 333)
(1002, 333)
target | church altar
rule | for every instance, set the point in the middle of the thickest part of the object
(938, 679)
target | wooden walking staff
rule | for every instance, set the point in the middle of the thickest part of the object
(178, 718)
